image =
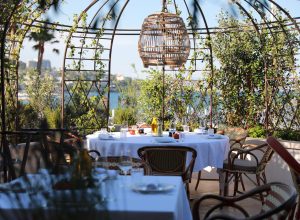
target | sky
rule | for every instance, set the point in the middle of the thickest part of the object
(125, 49)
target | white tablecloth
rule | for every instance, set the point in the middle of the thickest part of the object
(210, 152)
(123, 202)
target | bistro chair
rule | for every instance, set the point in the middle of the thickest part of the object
(278, 204)
(60, 145)
(293, 164)
(244, 162)
(169, 160)
(22, 153)
(27, 157)
(94, 155)
(237, 137)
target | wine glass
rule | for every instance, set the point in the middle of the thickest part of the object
(125, 162)
(110, 124)
(172, 128)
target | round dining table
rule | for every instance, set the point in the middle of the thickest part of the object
(211, 149)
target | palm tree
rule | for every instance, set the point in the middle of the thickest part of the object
(42, 36)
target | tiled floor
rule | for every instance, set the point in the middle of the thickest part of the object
(212, 187)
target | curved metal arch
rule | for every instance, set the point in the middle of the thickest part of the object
(255, 24)
(9, 171)
(71, 33)
(280, 24)
(111, 46)
(109, 65)
(97, 47)
(13, 19)
(82, 45)
(290, 46)
(91, 22)
(286, 13)
(17, 44)
(4, 146)
(263, 17)
(211, 62)
(193, 32)
(249, 16)
(2, 54)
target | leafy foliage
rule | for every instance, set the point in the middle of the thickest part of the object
(257, 132)
(179, 97)
(245, 59)
(86, 113)
(40, 90)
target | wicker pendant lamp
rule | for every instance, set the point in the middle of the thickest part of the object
(164, 40)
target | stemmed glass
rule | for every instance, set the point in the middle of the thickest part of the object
(125, 162)
(110, 124)
(172, 128)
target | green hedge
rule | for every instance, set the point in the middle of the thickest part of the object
(287, 135)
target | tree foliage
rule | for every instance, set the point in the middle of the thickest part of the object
(245, 59)
(41, 92)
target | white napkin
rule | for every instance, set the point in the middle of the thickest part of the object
(105, 137)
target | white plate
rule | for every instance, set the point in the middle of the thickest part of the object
(153, 187)
(105, 137)
(215, 136)
(164, 140)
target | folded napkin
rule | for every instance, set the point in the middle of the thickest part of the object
(164, 139)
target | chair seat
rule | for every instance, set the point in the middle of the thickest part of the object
(241, 165)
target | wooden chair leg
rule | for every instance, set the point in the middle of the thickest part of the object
(236, 183)
(242, 182)
(226, 184)
(258, 184)
(187, 190)
(292, 213)
(198, 180)
(297, 214)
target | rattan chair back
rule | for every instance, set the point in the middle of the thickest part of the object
(293, 164)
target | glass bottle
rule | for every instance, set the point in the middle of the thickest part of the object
(154, 126)
(82, 165)
(86, 163)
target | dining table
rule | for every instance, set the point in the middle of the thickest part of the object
(114, 197)
(211, 149)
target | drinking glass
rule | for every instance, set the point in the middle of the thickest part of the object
(172, 128)
(211, 132)
(103, 131)
(110, 124)
(137, 174)
(123, 134)
(139, 123)
(184, 121)
(186, 128)
(125, 162)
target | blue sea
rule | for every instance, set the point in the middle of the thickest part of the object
(113, 100)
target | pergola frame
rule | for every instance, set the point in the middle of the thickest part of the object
(88, 32)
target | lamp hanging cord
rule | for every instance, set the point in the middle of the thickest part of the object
(164, 6)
